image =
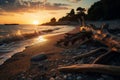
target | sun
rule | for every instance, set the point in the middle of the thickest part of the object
(36, 22)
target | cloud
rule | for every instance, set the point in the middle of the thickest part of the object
(6, 14)
(55, 6)
(60, 4)
(29, 6)
(74, 1)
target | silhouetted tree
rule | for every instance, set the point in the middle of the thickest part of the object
(111, 9)
(53, 20)
(71, 16)
(81, 15)
(72, 13)
(104, 9)
(96, 11)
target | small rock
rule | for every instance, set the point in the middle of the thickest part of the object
(100, 79)
(69, 74)
(69, 78)
(108, 77)
(29, 78)
(78, 78)
(58, 78)
(104, 76)
(40, 66)
(51, 78)
(39, 57)
(83, 46)
(65, 76)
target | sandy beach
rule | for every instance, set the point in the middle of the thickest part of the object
(20, 62)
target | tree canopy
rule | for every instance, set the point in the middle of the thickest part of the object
(105, 10)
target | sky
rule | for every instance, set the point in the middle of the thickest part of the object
(29, 11)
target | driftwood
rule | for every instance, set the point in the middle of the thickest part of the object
(73, 38)
(107, 69)
(101, 58)
(89, 53)
(99, 34)
(106, 38)
(106, 57)
(82, 36)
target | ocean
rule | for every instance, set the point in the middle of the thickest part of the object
(15, 38)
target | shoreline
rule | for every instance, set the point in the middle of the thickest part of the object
(26, 40)
(20, 62)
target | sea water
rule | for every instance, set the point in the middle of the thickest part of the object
(11, 41)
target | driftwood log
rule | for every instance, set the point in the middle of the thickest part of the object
(99, 68)
(73, 38)
(103, 35)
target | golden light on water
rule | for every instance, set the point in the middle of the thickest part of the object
(41, 39)
(18, 32)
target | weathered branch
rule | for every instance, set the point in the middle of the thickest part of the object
(98, 68)
(89, 53)
(106, 57)
(101, 58)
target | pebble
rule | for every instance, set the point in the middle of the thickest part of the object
(29, 78)
(51, 78)
(69, 78)
(79, 78)
(39, 57)
(104, 76)
(58, 78)
(65, 76)
(100, 79)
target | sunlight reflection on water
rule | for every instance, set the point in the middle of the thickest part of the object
(41, 39)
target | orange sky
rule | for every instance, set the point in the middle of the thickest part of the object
(29, 18)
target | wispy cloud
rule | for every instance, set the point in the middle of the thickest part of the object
(20, 5)
(74, 1)
(61, 4)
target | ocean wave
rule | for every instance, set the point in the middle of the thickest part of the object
(18, 36)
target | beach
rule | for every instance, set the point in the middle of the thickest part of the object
(59, 40)
(20, 66)
(20, 62)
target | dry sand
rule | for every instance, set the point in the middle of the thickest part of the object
(20, 62)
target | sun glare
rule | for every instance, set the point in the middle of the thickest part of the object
(35, 22)
(41, 39)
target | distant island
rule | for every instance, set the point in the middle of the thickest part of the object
(11, 24)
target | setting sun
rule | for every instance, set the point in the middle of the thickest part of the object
(35, 22)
